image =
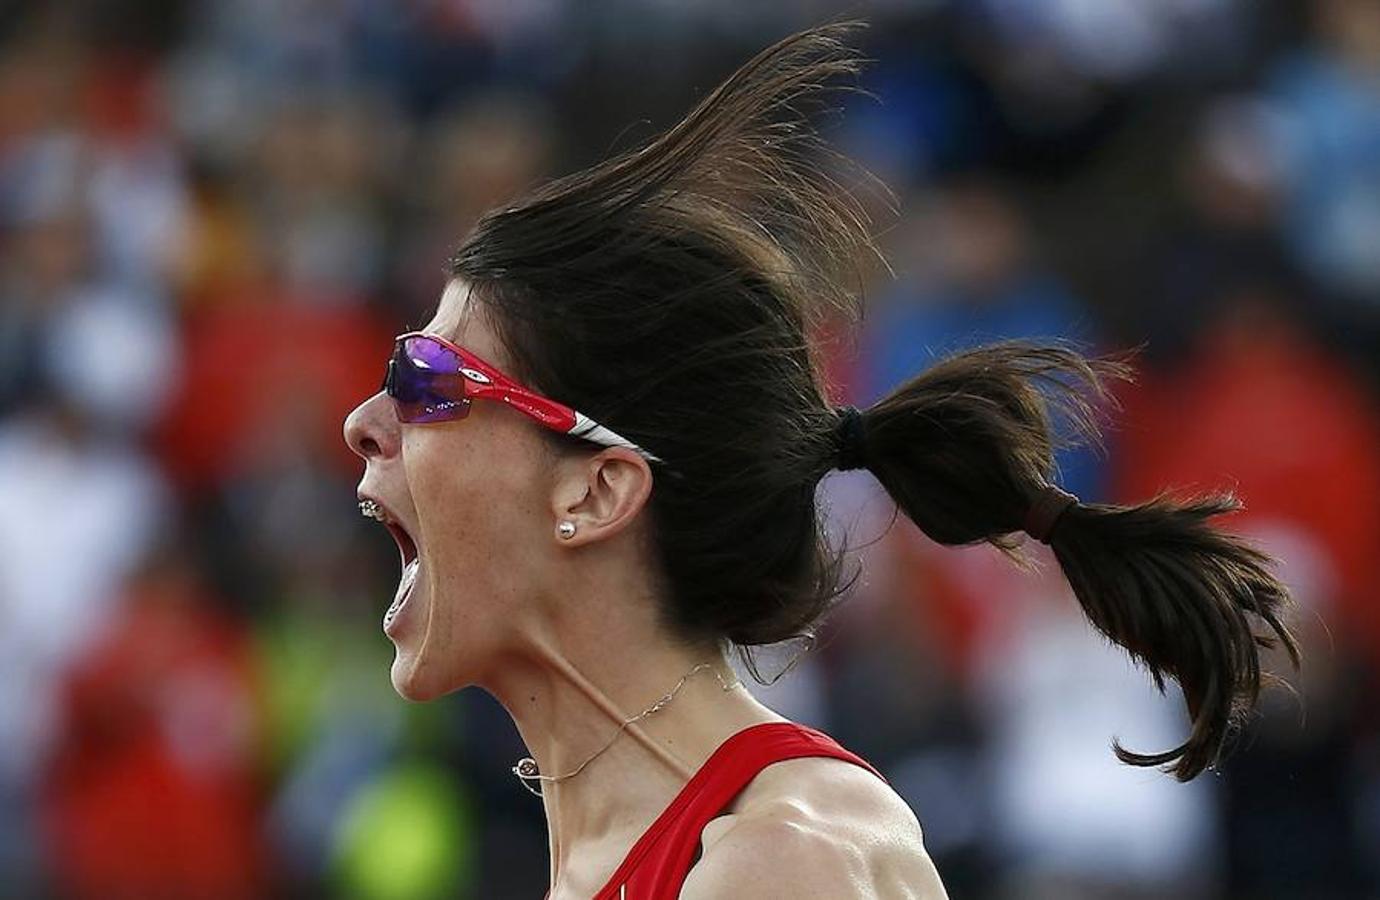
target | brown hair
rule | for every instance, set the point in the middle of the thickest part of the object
(669, 293)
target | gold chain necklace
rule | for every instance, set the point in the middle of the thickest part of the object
(526, 769)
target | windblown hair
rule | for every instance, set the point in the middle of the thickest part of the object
(670, 293)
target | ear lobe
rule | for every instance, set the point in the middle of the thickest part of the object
(614, 486)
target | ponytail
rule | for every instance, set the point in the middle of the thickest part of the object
(966, 449)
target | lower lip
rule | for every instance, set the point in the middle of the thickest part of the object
(406, 585)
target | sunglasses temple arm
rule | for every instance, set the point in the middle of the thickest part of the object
(590, 430)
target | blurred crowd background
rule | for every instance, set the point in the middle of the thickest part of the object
(214, 215)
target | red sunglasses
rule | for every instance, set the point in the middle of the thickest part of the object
(429, 379)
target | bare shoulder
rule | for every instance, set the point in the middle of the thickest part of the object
(815, 828)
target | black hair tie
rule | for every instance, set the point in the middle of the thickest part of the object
(1050, 503)
(850, 435)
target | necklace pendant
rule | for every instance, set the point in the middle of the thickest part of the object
(527, 772)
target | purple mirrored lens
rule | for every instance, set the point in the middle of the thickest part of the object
(425, 383)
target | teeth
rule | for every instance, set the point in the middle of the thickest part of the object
(371, 510)
(409, 575)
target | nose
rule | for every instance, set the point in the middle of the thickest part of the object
(371, 429)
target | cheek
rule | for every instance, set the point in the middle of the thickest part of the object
(480, 515)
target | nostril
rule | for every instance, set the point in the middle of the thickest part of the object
(367, 427)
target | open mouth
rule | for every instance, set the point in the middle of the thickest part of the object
(407, 549)
(406, 546)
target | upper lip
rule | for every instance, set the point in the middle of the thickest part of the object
(406, 545)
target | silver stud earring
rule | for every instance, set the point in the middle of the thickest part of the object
(566, 530)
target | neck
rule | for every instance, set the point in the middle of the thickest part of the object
(569, 698)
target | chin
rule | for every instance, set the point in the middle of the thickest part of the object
(414, 681)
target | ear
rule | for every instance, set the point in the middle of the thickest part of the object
(601, 495)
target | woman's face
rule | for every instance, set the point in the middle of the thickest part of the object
(470, 500)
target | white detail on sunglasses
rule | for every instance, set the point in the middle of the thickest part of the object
(590, 430)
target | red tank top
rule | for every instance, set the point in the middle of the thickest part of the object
(656, 866)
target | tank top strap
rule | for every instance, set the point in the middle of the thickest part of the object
(656, 866)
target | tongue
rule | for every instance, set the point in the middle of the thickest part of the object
(409, 575)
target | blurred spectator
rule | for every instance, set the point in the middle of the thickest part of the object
(269, 365)
(1116, 40)
(1328, 98)
(152, 789)
(82, 514)
(314, 192)
(1221, 238)
(1054, 694)
(472, 159)
(1298, 773)
(1261, 410)
(85, 367)
(973, 276)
